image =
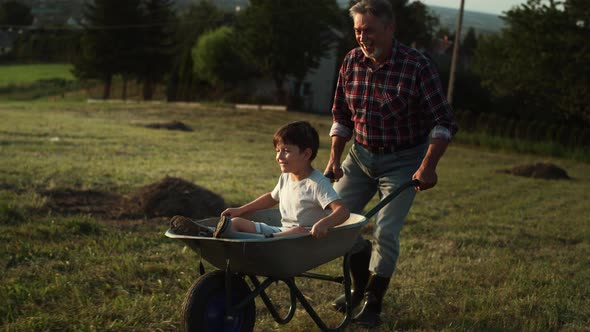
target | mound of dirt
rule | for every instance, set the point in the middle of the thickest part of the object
(170, 197)
(539, 171)
(70, 201)
(172, 125)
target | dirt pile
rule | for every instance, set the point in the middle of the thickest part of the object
(538, 171)
(170, 197)
(166, 198)
(172, 125)
(71, 201)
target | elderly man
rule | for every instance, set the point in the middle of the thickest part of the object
(390, 101)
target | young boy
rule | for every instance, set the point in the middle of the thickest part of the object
(303, 193)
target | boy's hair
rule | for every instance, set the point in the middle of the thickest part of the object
(299, 133)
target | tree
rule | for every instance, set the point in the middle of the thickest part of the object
(539, 63)
(287, 37)
(110, 42)
(217, 60)
(469, 43)
(157, 44)
(414, 23)
(198, 19)
(15, 13)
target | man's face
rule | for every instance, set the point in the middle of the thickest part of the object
(373, 36)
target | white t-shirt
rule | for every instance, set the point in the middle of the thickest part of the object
(303, 203)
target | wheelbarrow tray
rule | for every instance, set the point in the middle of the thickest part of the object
(279, 257)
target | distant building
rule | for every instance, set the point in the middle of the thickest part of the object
(55, 12)
(316, 91)
(318, 87)
(7, 39)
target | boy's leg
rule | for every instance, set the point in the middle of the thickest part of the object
(243, 225)
(240, 228)
(292, 231)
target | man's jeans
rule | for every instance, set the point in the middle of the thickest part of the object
(366, 173)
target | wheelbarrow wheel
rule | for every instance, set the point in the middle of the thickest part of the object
(205, 305)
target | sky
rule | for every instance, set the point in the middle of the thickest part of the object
(486, 6)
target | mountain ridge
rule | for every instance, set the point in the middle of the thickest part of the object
(480, 21)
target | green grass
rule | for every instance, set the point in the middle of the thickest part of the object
(40, 81)
(18, 75)
(516, 145)
(481, 251)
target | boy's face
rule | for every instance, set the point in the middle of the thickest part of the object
(291, 159)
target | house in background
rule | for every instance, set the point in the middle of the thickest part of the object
(316, 91)
(54, 12)
(7, 39)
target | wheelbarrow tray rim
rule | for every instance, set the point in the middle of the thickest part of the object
(278, 257)
(354, 221)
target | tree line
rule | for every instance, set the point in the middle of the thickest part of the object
(536, 69)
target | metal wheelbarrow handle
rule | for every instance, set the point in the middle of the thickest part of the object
(390, 197)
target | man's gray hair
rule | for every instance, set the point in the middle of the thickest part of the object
(379, 8)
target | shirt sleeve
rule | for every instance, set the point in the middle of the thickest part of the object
(341, 130)
(275, 193)
(435, 103)
(440, 132)
(341, 114)
(326, 193)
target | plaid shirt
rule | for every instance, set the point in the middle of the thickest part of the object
(398, 103)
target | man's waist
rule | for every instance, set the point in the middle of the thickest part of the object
(390, 148)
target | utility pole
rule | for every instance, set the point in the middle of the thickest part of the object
(455, 54)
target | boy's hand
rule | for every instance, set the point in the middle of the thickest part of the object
(231, 212)
(319, 230)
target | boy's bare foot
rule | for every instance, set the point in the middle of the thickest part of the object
(185, 226)
(222, 225)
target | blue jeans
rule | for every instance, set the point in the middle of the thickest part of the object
(366, 173)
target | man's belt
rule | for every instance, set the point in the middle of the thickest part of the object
(393, 148)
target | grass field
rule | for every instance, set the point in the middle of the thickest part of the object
(481, 251)
(40, 82)
(27, 74)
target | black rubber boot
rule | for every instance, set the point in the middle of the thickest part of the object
(359, 269)
(369, 315)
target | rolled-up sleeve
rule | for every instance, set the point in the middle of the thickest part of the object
(441, 132)
(340, 130)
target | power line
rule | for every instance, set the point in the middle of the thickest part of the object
(179, 21)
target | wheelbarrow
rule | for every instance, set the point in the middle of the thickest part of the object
(223, 300)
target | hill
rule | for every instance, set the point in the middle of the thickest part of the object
(60, 10)
(481, 22)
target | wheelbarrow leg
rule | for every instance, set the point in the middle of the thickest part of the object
(313, 314)
(268, 302)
